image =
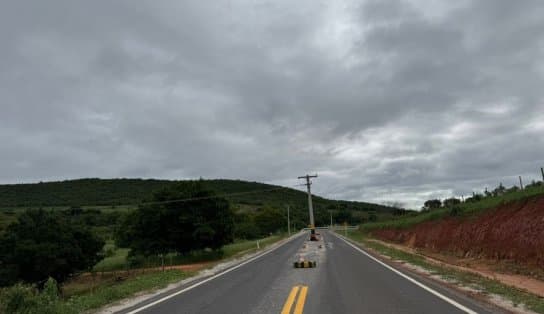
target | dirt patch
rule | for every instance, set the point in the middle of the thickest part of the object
(505, 243)
(512, 233)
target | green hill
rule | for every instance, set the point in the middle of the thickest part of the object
(117, 195)
(108, 192)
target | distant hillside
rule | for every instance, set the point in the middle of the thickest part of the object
(106, 192)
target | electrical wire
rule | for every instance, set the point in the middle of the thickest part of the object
(213, 196)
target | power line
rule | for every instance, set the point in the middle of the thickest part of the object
(212, 197)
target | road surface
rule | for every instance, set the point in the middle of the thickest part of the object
(346, 280)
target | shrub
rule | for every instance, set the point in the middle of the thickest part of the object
(455, 211)
(26, 299)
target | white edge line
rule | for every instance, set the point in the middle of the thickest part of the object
(436, 293)
(210, 278)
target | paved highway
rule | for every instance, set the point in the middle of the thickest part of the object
(346, 280)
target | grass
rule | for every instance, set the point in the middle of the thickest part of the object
(118, 261)
(111, 291)
(6, 218)
(466, 209)
(247, 246)
(489, 286)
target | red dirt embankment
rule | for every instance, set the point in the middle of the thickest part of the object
(511, 232)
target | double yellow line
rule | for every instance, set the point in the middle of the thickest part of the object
(291, 299)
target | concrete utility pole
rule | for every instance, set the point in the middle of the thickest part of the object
(331, 219)
(310, 207)
(288, 222)
(520, 183)
(542, 170)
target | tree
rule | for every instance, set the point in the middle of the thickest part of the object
(500, 190)
(432, 204)
(244, 227)
(450, 202)
(181, 218)
(270, 220)
(474, 198)
(42, 244)
(343, 215)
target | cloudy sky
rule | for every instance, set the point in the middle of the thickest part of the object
(385, 100)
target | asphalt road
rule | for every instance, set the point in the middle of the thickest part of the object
(344, 281)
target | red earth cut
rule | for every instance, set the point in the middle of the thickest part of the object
(513, 232)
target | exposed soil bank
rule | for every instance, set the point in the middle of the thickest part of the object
(512, 232)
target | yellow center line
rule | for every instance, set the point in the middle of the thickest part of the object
(301, 299)
(290, 299)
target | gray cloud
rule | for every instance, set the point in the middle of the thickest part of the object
(387, 100)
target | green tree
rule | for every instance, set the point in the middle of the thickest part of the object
(42, 244)
(270, 220)
(244, 226)
(432, 204)
(181, 218)
(451, 202)
(343, 215)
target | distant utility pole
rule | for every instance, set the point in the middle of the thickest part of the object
(288, 221)
(331, 219)
(310, 207)
(520, 183)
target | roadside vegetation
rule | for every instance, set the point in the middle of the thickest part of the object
(478, 203)
(95, 289)
(28, 299)
(73, 259)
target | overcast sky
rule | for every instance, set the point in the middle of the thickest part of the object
(385, 100)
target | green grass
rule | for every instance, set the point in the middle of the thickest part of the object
(517, 296)
(25, 299)
(6, 218)
(247, 246)
(110, 292)
(118, 261)
(466, 210)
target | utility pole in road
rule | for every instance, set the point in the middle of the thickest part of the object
(288, 222)
(310, 207)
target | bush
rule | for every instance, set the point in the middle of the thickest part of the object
(26, 299)
(246, 230)
(455, 211)
(109, 251)
(135, 260)
(18, 298)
